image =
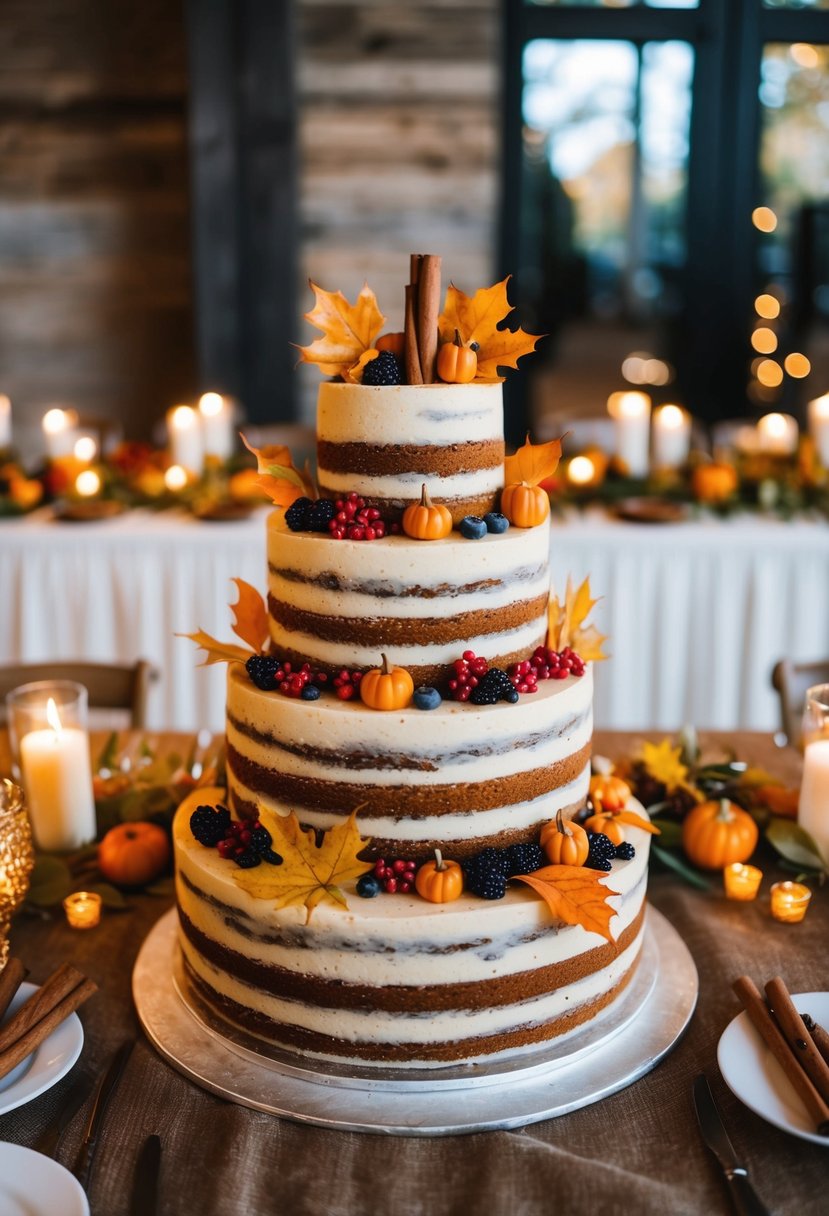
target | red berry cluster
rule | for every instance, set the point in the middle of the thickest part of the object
(291, 683)
(347, 684)
(555, 665)
(237, 838)
(397, 875)
(468, 670)
(355, 521)
(524, 676)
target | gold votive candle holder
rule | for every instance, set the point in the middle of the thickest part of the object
(789, 901)
(83, 909)
(16, 858)
(741, 882)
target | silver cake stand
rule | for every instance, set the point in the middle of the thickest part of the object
(645, 1023)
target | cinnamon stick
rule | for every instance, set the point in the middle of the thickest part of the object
(411, 352)
(414, 268)
(428, 310)
(59, 984)
(819, 1036)
(797, 1036)
(39, 1032)
(11, 977)
(760, 1017)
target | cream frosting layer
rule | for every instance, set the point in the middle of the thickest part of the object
(407, 486)
(423, 415)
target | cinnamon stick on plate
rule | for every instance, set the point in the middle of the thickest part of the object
(428, 311)
(39, 1032)
(11, 977)
(760, 1017)
(59, 984)
(819, 1036)
(797, 1036)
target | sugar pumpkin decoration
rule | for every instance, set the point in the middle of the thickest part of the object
(609, 793)
(427, 520)
(440, 881)
(565, 844)
(717, 833)
(524, 501)
(457, 363)
(132, 854)
(714, 482)
(387, 687)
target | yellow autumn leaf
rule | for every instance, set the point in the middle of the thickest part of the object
(217, 652)
(278, 478)
(476, 318)
(250, 616)
(575, 895)
(533, 462)
(348, 329)
(663, 762)
(309, 873)
(566, 623)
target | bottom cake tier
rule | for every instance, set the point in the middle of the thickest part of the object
(395, 979)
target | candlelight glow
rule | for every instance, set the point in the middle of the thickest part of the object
(87, 483)
(86, 449)
(211, 404)
(774, 425)
(797, 365)
(764, 340)
(52, 716)
(581, 470)
(628, 405)
(184, 418)
(671, 416)
(770, 373)
(804, 55)
(55, 421)
(764, 219)
(819, 408)
(767, 307)
(175, 478)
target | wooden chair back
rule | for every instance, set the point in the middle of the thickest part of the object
(791, 681)
(110, 685)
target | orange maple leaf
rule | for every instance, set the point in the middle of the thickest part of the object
(348, 329)
(476, 318)
(250, 616)
(217, 652)
(533, 462)
(566, 623)
(634, 820)
(575, 895)
(278, 478)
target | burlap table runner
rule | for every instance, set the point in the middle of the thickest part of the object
(637, 1152)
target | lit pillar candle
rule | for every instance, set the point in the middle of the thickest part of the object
(59, 432)
(217, 425)
(57, 777)
(789, 901)
(185, 436)
(5, 421)
(631, 413)
(671, 436)
(819, 427)
(741, 882)
(777, 434)
(813, 808)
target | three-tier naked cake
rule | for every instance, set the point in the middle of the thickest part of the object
(323, 921)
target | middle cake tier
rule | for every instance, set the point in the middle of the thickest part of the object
(341, 603)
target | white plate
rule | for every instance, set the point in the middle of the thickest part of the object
(34, 1185)
(46, 1065)
(752, 1073)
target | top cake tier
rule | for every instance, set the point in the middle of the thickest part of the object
(384, 443)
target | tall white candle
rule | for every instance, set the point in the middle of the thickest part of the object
(819, 427)
(777, 434)
(671, 436)
(57, 776)
(59, 431)
(813, 809)
(631, 413)
(186, 441)
(217, 425)
(5, 421)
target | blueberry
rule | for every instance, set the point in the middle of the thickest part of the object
(496, 522)
(368, 886)
(426, 697)
(472, 527)
(310, 693)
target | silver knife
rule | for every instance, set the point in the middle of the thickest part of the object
(106, 1088)
(743, 1195)
(144, 1201)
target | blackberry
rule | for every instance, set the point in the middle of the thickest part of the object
(524, 859)
(272, 858)
(599, 863)
(494, 686)
(262, 669)
(298, 515)
(320, 514)
(247, 860)
(260, 839)
(209, 824)
(602, 851)
(625, 851)
(486, 873)
(383, 370)
(488, 885)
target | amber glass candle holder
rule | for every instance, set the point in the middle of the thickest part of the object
(789, 901)
(83, 909)
(742, 882)
(16, 858)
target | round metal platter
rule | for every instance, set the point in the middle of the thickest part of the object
(645, 1023)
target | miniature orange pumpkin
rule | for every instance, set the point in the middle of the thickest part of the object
(714, 482)
(609, 793)
(457, 364)
(392, 342)
(439, 881)
(565, 844)
(427, 520)
(524, 505)
(387, 687)
(717, 833)
(607, 824)
(133, 854)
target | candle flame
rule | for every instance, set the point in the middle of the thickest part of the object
(671, 416)
(55, 421)
(175, 478)
(87, 483)
(183, 417)
(581, 470)
(52, 716)
(211, 404)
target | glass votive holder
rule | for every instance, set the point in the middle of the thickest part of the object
(789, 901)
(50, 746)
(741, 882)
(16, 858)
(813, 805)
(83, 909)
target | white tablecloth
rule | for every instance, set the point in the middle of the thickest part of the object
(698, 612)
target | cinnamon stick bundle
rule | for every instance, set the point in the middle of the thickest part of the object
(39, 1031)
(819, 1036)
(11, 977)
(428, 311)
(59, 984)
(411, 354)
(761, 1018)
(797, 1036)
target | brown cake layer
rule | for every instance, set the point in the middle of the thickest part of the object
(394, 459)
(406, 801)
(381, 590)
(384, 631)
(295, 1037)
(431, 673)
(391, 509)
(404, 998)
